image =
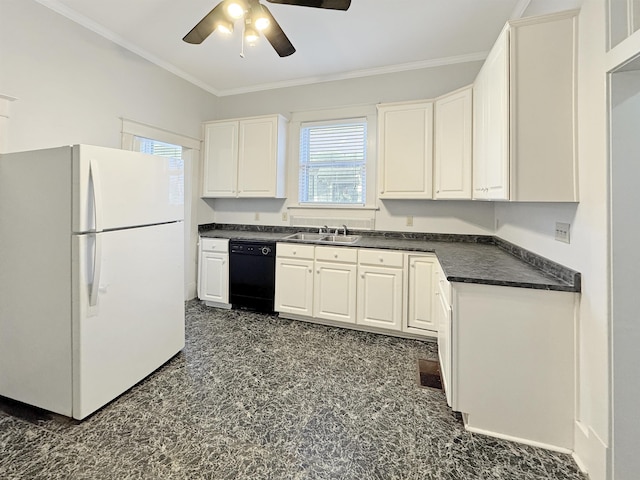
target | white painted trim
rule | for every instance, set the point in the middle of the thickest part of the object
(402, 67)
(519, 9)
(138, 129)
(516, 439)
(591, 453)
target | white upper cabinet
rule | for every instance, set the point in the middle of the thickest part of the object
(245, 157)
(453, 145)
(524, 113)
(405, 150)
(220, 172)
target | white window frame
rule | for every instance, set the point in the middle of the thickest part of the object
(367, 112)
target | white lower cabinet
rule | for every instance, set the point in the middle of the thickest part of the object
(335, 284)
(213, 268)
(370, 289)
(380, 289)
(442, 318)
(294, 279)
(513, 367)
(421, 295)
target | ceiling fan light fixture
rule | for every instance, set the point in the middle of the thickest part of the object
(262, 23)
(259, 18)
(235, 9)
(224, 26)
(250, 36)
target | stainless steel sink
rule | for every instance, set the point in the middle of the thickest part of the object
(306, 236)
(344, 239)
(323, 238)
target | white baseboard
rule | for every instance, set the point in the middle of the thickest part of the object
(590, 452)
(511, 438)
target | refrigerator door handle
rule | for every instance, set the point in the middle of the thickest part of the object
(94, 174)
(97, 266)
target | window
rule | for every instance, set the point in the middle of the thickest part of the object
(333, 162)
(174, 153)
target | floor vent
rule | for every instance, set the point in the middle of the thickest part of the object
(429, 374)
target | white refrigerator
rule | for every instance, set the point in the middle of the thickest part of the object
(91, 274)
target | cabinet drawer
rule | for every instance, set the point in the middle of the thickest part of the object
(331, 254)
(381, 258)
(294, 250)
(214, 244)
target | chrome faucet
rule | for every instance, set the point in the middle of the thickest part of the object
(344, 230)
(322, 230)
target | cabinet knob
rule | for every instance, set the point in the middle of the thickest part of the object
(381, 259)
(310, 270)
(335, 255)
(294, 252)
(318, 272)
(362, 275)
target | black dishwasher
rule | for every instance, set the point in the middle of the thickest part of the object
(252, 274)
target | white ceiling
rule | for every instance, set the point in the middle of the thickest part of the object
(372, 37)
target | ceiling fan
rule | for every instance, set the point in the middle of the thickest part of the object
(257, 18)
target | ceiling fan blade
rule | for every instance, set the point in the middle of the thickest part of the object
(331, 4)
(276, 36)
(206, 26)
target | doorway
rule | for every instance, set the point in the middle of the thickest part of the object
(624, 137)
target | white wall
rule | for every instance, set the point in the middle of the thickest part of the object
(74, 86)
(532, 226)
(428, 216)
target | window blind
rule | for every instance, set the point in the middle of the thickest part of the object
(333, 162)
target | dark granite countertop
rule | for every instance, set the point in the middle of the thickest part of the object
(464, 258)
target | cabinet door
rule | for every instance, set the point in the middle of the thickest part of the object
(214, 277)
(494, 126)
(220, 159)
(380, 297)
(452, 143)
(405, 150)
(480, 133)
(294, 286)
(335, 291)
(257, 158)
(497, 166)
(421, 294)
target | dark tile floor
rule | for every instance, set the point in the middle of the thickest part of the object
(258, 397)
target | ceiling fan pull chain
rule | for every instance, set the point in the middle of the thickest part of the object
(242, 44)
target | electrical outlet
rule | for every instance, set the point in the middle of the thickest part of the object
(257, 216)
(285, 217)
(410, 221)
(562, 232)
